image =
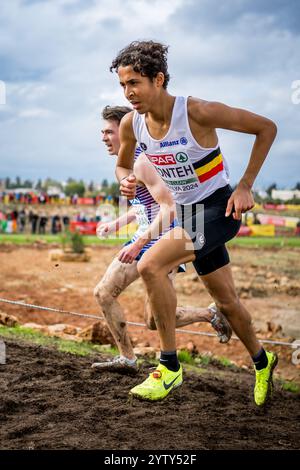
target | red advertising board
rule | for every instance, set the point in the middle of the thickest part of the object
(84, 228)
(85, 200)
(244, 231)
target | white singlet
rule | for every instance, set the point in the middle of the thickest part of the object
(190, 171)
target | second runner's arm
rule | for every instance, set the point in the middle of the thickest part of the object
(125, 160)
(147, 174)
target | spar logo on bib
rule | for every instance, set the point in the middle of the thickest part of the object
(181, 157)
(162, 159)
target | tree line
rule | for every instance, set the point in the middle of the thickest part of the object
(70, 187)
(92, 189)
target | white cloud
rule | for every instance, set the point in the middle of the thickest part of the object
(36, 113)
(2, 93)
(131, 14)
(55, 58)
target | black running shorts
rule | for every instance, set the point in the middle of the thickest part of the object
(209, 229)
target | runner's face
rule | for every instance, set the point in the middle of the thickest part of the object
(139, 91)
(110, 136)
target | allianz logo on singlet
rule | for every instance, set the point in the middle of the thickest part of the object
(171, 143)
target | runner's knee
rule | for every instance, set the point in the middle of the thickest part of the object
(229, 307)
(103, 297)
(149, 269)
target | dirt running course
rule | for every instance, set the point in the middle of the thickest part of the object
(52, 400)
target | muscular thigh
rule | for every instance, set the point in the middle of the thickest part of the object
(118, 276)
(174, 248)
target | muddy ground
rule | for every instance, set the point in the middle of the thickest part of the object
(52, 400)
(266, 279)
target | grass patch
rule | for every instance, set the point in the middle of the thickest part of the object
(28, 239)
(203, 360)
(224, 361)
(290, 386)
(247, 242)
(257, 242)
(24, 239)
(84, 348)
(185, 357)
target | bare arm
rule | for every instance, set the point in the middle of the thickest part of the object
(145, 173)
(124, 219)
(217, 115)
(106, 228)
(126, 157)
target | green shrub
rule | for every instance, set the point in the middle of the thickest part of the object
(77, 242)
(73, 241)
(185, 357)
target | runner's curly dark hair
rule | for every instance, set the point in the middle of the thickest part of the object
(146, 57)
(114, 113)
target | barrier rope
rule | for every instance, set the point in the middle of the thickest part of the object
(95, 317)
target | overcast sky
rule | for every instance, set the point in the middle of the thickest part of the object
(55, 57)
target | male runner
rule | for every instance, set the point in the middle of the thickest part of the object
(151, 219)
(179, 137)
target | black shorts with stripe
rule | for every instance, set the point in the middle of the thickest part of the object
(209, 229)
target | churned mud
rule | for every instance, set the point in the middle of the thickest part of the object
(52, 400)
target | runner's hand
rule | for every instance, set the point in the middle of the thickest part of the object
(103, 230)
(128, 254)
(240, 201)
(128, 186)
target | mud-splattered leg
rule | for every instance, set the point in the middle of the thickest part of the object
(117, 277)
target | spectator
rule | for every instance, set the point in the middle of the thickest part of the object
(43, 223)
(33, 217)
(22, 220)
(55, 224)
(66, 222)
(9, 226)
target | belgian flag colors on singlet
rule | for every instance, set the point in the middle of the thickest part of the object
(191, 172)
